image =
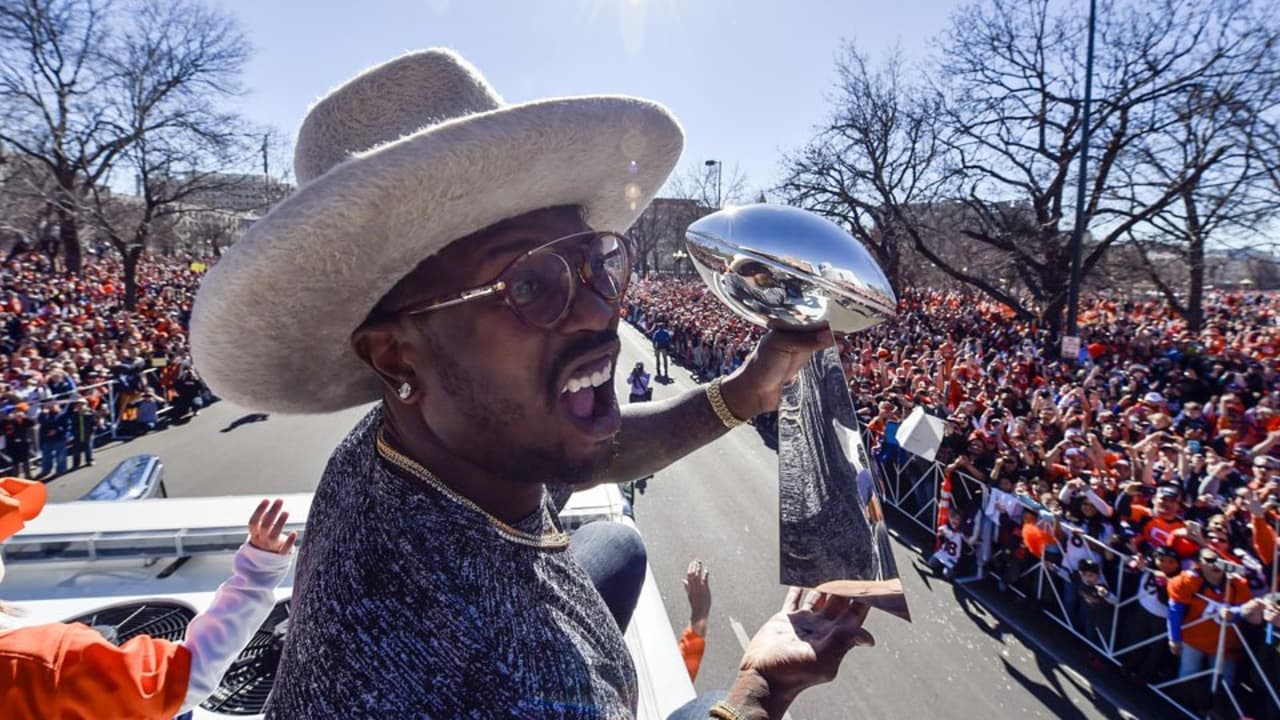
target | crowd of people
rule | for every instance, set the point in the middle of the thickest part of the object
(688, 325)
(1153, 457)
(1149, 461)
(702, 335)
(1153, 454)
(75, 363)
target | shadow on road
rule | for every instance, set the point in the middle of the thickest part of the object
(1053, 697)
(245, 420)
(925, 573)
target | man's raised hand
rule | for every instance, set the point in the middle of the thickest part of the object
(756, 387)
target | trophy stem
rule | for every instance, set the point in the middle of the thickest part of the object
(832, 530)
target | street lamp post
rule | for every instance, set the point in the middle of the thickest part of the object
(717, 165)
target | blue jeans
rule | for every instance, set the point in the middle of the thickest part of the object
(698, 708)
(1192, 661)
(51, 454)
(613, 556)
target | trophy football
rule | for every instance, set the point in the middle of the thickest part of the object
(789, 269)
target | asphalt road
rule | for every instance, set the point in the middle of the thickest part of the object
(956, 660)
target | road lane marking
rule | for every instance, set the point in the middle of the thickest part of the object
(741, 632)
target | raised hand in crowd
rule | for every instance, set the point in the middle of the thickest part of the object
(1271, 612)
(266, 525)
(697, 589)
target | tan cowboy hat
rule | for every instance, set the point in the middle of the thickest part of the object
(393, 166)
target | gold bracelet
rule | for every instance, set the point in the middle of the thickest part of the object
(724, 711)
(730, 420)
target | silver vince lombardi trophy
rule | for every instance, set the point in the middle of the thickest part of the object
(789, 269)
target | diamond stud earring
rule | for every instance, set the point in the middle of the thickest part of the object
(405, 390)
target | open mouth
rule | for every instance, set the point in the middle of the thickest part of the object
(587, 398)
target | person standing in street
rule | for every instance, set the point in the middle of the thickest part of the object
(661, 349)
(20, 436)
(55, 426)
(638, 382)
(84, 425)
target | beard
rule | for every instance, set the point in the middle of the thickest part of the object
(502, 423)
(554, 468)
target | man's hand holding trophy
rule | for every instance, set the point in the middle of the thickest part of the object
(788, 269)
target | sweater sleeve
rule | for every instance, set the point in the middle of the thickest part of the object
(692, 645)
(1124, 506)
(1177, 611)
(216, 636)
(1103, 508)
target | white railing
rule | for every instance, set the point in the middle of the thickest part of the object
(107, 430)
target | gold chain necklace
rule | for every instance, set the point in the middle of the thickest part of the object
(557, 540)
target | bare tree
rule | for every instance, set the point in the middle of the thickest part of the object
(277, 167)
(660, 230)
(1222, 132)
(975, 172)
(688, 195)
(706, 184)
(26, 213)
(84, 82)
(173, 63)
(873, 167)
(1014, 76)
(55, 91)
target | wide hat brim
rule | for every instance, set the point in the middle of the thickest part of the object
(271, 325)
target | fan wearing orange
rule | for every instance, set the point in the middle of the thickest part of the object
(69, 671)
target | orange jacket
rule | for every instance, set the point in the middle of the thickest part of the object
(1264, 540)
(1190, 589)
(70, 672)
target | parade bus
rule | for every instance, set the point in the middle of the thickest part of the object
(148, 566)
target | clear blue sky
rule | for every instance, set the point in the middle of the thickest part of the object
(747, 78)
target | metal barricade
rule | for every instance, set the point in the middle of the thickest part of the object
(963, 493)
(910, 484)
(109, 430)
(108, 387)
(919, 489)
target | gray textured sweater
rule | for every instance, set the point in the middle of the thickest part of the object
(407, 605)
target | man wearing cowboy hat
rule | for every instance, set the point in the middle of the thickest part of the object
(455, 257)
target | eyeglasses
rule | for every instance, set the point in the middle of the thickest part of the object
(1210, 561)
(539, 286)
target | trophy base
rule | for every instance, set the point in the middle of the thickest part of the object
(886, 595)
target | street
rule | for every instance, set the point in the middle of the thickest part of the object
(956, 660)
